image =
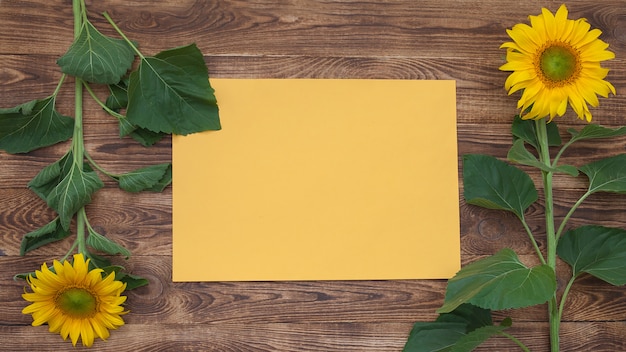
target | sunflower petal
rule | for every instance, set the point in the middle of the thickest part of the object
(547, 94)
(52, 290)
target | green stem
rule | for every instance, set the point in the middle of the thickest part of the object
(570, 213)
(69, 252)
(558, 155)
(101, 169)
(101, 103)
(78, 143)
(514, 339)
(119, 31)
(551, 240)
(565, 293)
(58, 88)
(532, 240)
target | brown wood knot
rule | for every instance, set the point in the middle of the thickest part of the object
(10, 76)
(491, 228)
(150, 292)
(146, 20)
(619, 30)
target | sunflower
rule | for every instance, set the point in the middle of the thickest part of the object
(556, 60)
(75, 301)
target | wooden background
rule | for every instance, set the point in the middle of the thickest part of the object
(401, 39)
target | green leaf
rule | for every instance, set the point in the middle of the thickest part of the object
(48, 178)
(146, 137)
(132, 281)
(592, 131)
(97, 58)
(434, 337)
(73, 192)
(498, 282)
(519, 154)
(163, 182)
(104, 244)
(97, 261)
(526, 130)
(607, 175)
(170, 93)
(473, 339)
(118, 99)
(470, 315)
(33, 125)
(448, 330)
(596, 250)
(143, 179)
(494, 184)
(51, 232)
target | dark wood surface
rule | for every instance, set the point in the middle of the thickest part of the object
(402, 39)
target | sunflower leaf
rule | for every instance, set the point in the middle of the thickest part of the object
(33, 125)
(494, 184)
(526, 130)
(451, 330)
(97, 58)
(592, 131)
(498, 282)
(607, 175)
(474, 338)
(596, 250)
(117, 100)
(519, 154)
(170, 93)
(51, 232)
(104, 244)
(434, 336)
(73, 191)
(45, 181)
(132, 281)
(143, 179)
(97, 261)
(118, 97)
(163, 182)
(146, 137)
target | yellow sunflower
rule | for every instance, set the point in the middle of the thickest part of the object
(75, 301)
(556, 60)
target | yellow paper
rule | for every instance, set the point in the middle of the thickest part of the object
(320, 180)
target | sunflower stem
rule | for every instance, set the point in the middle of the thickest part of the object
(78, 143)
(551, 240)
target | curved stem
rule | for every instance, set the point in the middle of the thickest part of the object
(119, 31)
(514, 339)
(570, 213)
(101, 169)
(567, 288)
(69, 252)
(58, 87)
(558, 155)
(532, 240)
(102, 104)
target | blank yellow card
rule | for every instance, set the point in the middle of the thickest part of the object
(320, 180)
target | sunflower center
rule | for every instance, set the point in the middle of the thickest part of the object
(559, 64)
(77, 302)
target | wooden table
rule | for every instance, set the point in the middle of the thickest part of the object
(401, 39)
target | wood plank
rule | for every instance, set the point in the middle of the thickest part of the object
(367, 39)
(318, 28)
(481, 98)
(255, 337)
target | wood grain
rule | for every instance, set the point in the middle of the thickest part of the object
(392, 39)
